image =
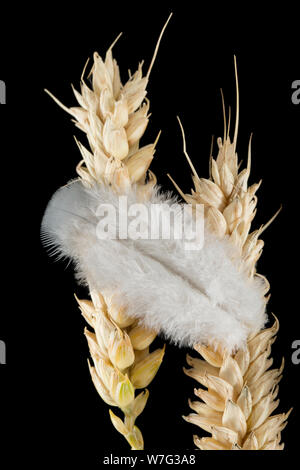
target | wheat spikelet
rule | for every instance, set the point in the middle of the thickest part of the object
(236, 409)
(114, 117)
(122, 362)
(241, 390)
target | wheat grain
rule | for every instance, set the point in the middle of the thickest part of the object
(241, 390)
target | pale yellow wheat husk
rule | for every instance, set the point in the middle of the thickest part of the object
(114, 118)
(239, 393)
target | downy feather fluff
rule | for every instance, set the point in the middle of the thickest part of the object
(198, 296)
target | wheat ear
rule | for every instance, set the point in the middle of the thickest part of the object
(122, 362)
(240, 389)
(114, 118)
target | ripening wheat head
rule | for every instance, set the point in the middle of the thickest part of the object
(240, 389)
(122, 361)
(114, 117)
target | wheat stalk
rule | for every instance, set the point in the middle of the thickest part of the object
(114, 117)
(240, 396)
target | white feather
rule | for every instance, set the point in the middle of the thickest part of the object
(189, 296)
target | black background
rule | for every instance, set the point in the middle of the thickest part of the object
(48, 403)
